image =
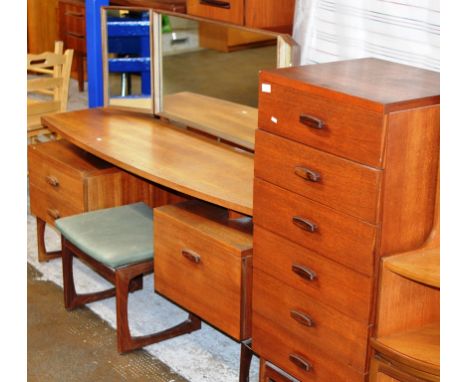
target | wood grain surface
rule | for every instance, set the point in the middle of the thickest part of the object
(161, 153)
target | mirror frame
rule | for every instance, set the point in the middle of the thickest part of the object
(287, 51)
(105, 56)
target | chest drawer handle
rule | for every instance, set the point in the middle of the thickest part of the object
(191, 255)
(300, 362)
(52, 180)
(311, 121)
(307, 174)
(53, 213)
(75, 14)
(73, 34)
(302, 318)
(304, 272)
(304, 224)
(216, 3)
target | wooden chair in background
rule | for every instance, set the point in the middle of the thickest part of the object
(47, 93)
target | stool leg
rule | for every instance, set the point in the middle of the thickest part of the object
(42, 254)
(245, 360)
(71, 298)
(125, 341)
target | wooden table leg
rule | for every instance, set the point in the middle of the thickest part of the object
(245, 360)
(42, 253)
(80, 67)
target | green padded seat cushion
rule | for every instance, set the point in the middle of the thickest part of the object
(113, 236)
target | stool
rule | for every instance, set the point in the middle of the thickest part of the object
(117, 243)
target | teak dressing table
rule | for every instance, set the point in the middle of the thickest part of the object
(346, 163)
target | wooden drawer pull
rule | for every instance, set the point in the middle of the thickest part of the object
(216, 3)
(307, 174)
(53, 213)
(302, 318)
(304, 272)
(52, 180)
(304, 224)
(191, 255)
(311, 121)
(73, 34)
(300, 362)
(75, 14)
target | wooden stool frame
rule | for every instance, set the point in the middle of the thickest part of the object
(126, 279)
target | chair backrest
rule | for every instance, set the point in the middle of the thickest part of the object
(56, 67)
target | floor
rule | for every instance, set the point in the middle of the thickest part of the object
(58, 340)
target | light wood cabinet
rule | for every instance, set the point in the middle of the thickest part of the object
(42, 25)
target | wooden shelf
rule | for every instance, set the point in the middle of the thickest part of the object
(418, 349)
(422, 266)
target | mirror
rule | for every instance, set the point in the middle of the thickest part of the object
(206, 73)
(126, 56)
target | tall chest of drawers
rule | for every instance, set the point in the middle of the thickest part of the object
(346, 163)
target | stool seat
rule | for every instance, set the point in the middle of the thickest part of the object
(114, 236)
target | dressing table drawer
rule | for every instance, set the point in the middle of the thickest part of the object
(335, 127)
(203, 262)
(51, 207)
(336, 182)
(56, 180)
(231, 11)
(337, 236)
(313, 275)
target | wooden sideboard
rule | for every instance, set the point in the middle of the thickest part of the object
(346, 168)
(275, 15)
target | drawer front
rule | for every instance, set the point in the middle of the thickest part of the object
(324, 123)
(49, 207)
(309, 322)
(74, 18)
(270, 373)
(75, 41)
(307, 363)
(326, 281)
(338, 183)
(231, 11)
(334, 235)
(57, 180)
(202, 276)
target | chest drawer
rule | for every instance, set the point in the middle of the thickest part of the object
(336, 182)
(303, 361)
(308, 322)
(49, 207)
(323, 280)
(203, 263)
(337, 236)
(231, 11)
(335, 127)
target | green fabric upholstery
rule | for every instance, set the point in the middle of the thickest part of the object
(113, 236)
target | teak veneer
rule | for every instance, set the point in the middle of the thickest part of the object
(346, 164)
(160, 152)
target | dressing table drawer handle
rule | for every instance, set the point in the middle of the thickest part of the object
(304, 272)
(311, 121)
(300, 362)
(216, 3)
(53, 213)
(302, 318)
(304, 224)
(191, 255)
(52, 180)
(307, 174)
